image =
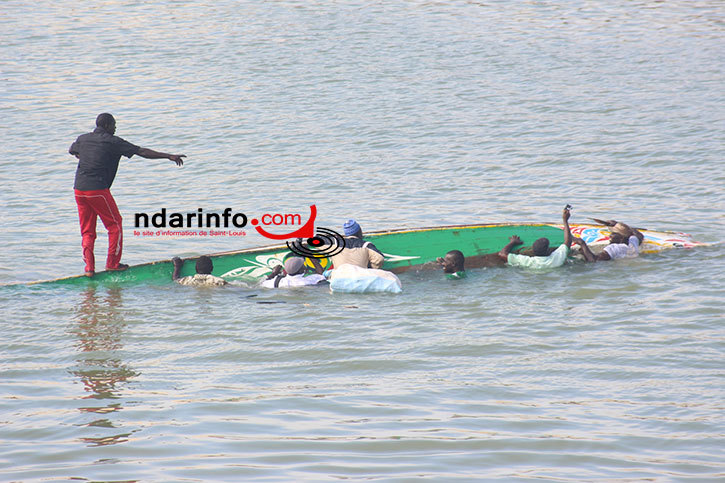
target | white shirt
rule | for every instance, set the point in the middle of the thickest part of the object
(620, 250)
(299, 280)
(555, 259)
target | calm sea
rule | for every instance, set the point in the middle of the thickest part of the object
(398, 114)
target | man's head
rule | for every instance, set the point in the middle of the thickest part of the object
(107, 122)
(453, 262)
(615, 238)
(619, 233)
(294, 265)
(204, 265)
(541, 247)
(351, 228)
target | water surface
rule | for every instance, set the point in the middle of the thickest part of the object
(401, 114)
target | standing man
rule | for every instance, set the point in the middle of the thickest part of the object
(98, 154)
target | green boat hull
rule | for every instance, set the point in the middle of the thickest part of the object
(403, 249)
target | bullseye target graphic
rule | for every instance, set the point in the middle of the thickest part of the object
(326, 243)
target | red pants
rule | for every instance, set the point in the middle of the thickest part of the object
(92, 204)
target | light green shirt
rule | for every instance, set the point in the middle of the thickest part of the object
(556, 259)
(456, 275)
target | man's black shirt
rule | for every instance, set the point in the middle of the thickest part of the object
(99, 153)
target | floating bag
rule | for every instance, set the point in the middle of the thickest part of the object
(353, 279)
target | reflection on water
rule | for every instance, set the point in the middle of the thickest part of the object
(99, 329)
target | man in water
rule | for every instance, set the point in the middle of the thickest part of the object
(541, 259)
(453, 265)
(293, 275)
(99, 153)
(202, 277)
(624, 242)
(357, 251)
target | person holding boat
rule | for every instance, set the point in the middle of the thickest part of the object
(624, 242)
(99, 153)
(357, 268)
(294, 274)
(453, 265)
(202, 277)
(542, 259)
(357, 251)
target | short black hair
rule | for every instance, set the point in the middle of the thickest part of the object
(541, 247)
(204, 265)
(617, 238)
(105, 119)
(457, 258)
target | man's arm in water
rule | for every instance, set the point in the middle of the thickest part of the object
(586, 251)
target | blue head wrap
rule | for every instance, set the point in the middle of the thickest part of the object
(351, 227)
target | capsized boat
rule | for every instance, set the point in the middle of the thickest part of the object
(403, 249)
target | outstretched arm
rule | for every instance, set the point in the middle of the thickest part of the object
(504, 253)
(586, 251)
(275, 271)
(567, 231)
(151, 154)
(603, 256)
